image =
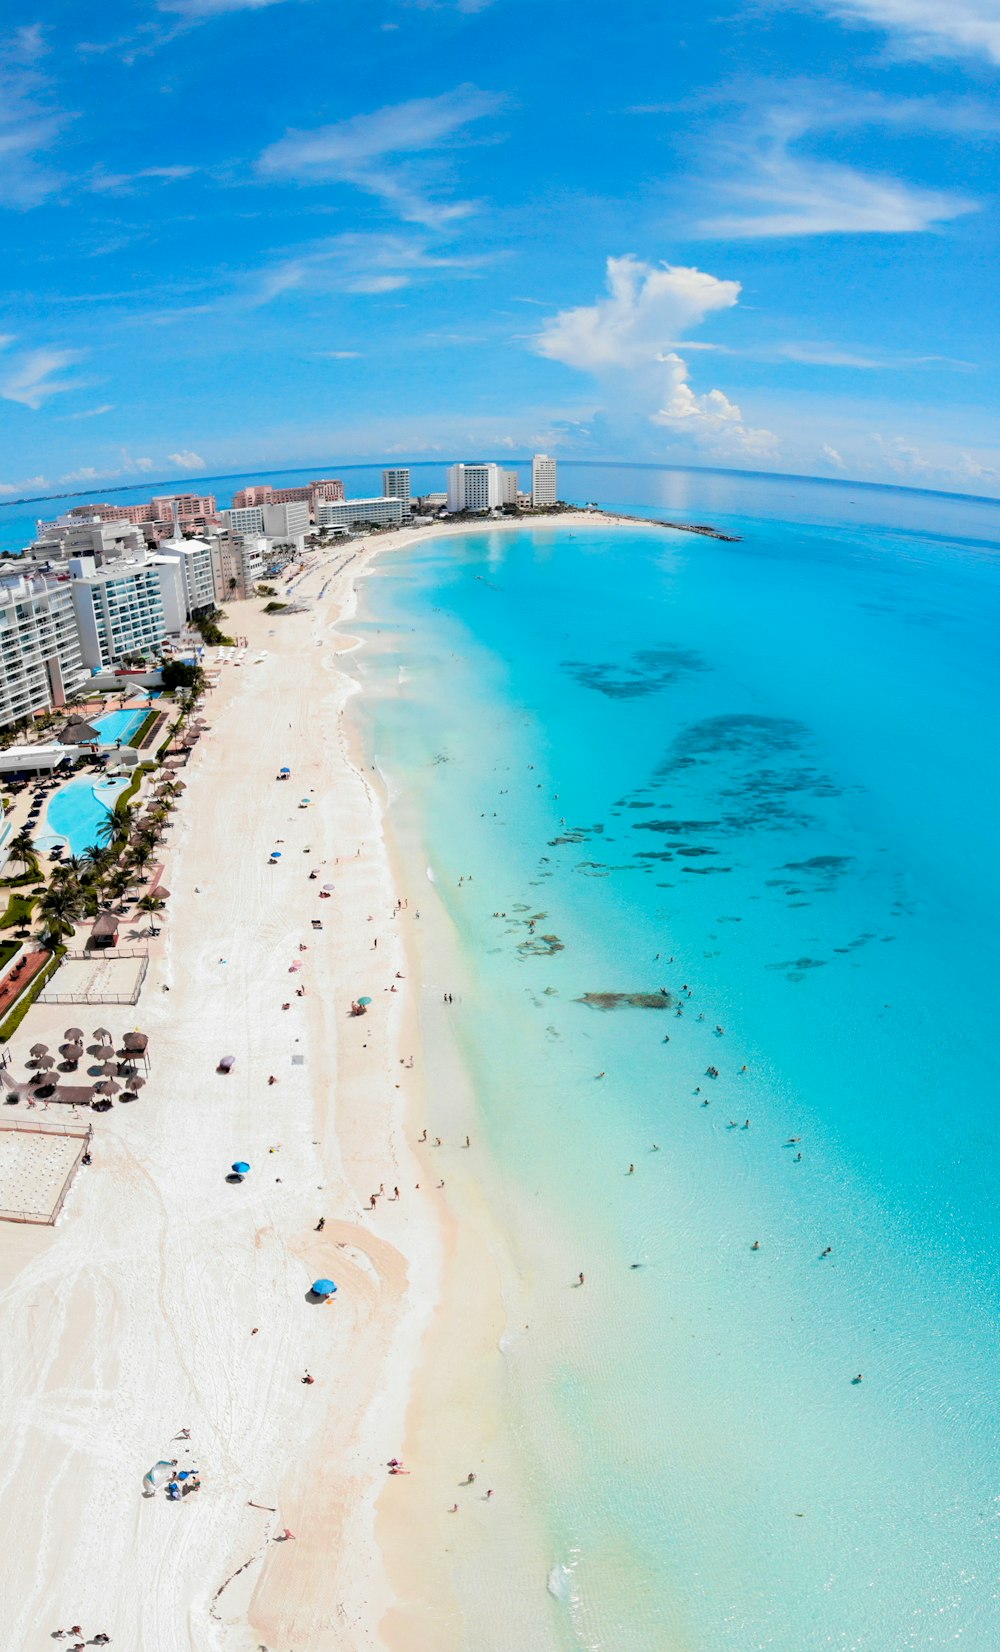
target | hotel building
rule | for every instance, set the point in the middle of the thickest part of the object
(483, 487)
(396, 485)
(126, 607)
(543, 480)
(361, 513)
(41, 664)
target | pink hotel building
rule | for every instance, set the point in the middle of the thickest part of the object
(314, 493)
(162, 516)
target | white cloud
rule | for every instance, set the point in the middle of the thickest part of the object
(646, 307)
(625, 340)
(365, 151)
(367, 264)
(781, 194)
(901, 456)
(91, 412)
(187, 460)
(197, 9)
(929, 28)
(341, 355)
(760, 169)
(710, 417)
(107, 182)
(32, 379)
(833, 457)
(27, 126)
(86, 473)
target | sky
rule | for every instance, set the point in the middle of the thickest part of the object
(750, 233)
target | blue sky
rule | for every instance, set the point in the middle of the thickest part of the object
(759, 233)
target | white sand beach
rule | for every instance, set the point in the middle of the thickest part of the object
(167, 1299)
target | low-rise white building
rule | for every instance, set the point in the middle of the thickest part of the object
(126, 607)
(288, 521)
(194, 557)
(74, 536)
(543, 480)
(361, 513)
(41, 663)
(244, 519)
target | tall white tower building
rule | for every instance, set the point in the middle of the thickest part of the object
(396, 485)
(543, 480)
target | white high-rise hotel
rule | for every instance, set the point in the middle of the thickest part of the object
(480, 487)
(543, 480)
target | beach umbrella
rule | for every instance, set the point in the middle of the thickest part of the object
(159, 893)
(107, 1087)
(241, 1168)
(75, 1034)
(44, 1061)
(365, 1001)
(102, 1035)
(323, 1287)
(135, 1081)
(328, 888)
(108, 1069)
(39, 1049)
(72, 1052)
(284, 771)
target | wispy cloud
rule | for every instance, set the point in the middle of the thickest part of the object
(779, 192)
(119, 182)
(212, 8)
(28, 124)
(186, 459)
(624, 341)
(365, 151)
(90, 412)
(34, 377)
(355, 263)
(928, 28)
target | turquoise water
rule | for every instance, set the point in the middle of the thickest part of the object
(765, 775)
(76, 812)
(119, 725)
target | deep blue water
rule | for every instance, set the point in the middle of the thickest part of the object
(765, 772)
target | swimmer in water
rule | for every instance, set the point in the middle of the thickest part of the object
(755, 1245)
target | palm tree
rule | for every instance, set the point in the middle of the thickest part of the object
(59, 908)
(95, 861)
(119, 881)
(152, 905)
(22, 848)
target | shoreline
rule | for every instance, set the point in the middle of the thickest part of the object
(153, 1241)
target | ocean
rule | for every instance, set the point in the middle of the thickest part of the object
(711, 828)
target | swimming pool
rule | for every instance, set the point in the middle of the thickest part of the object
(119, 725)
(75, 813)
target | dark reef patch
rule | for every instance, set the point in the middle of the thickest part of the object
(647, 672)
(627, 1000)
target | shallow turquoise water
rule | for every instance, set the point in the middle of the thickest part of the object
(119, 725)
(767, 773)
(77, 811)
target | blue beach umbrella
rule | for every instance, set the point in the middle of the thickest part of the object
(275, 854)
(241, 1168)
(365, 1001)
(323, 1287)
(284, 771)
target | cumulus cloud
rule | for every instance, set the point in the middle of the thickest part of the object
(928, 28)
(366, 149)
(187, 460)
(626, 341)
(34, 377)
